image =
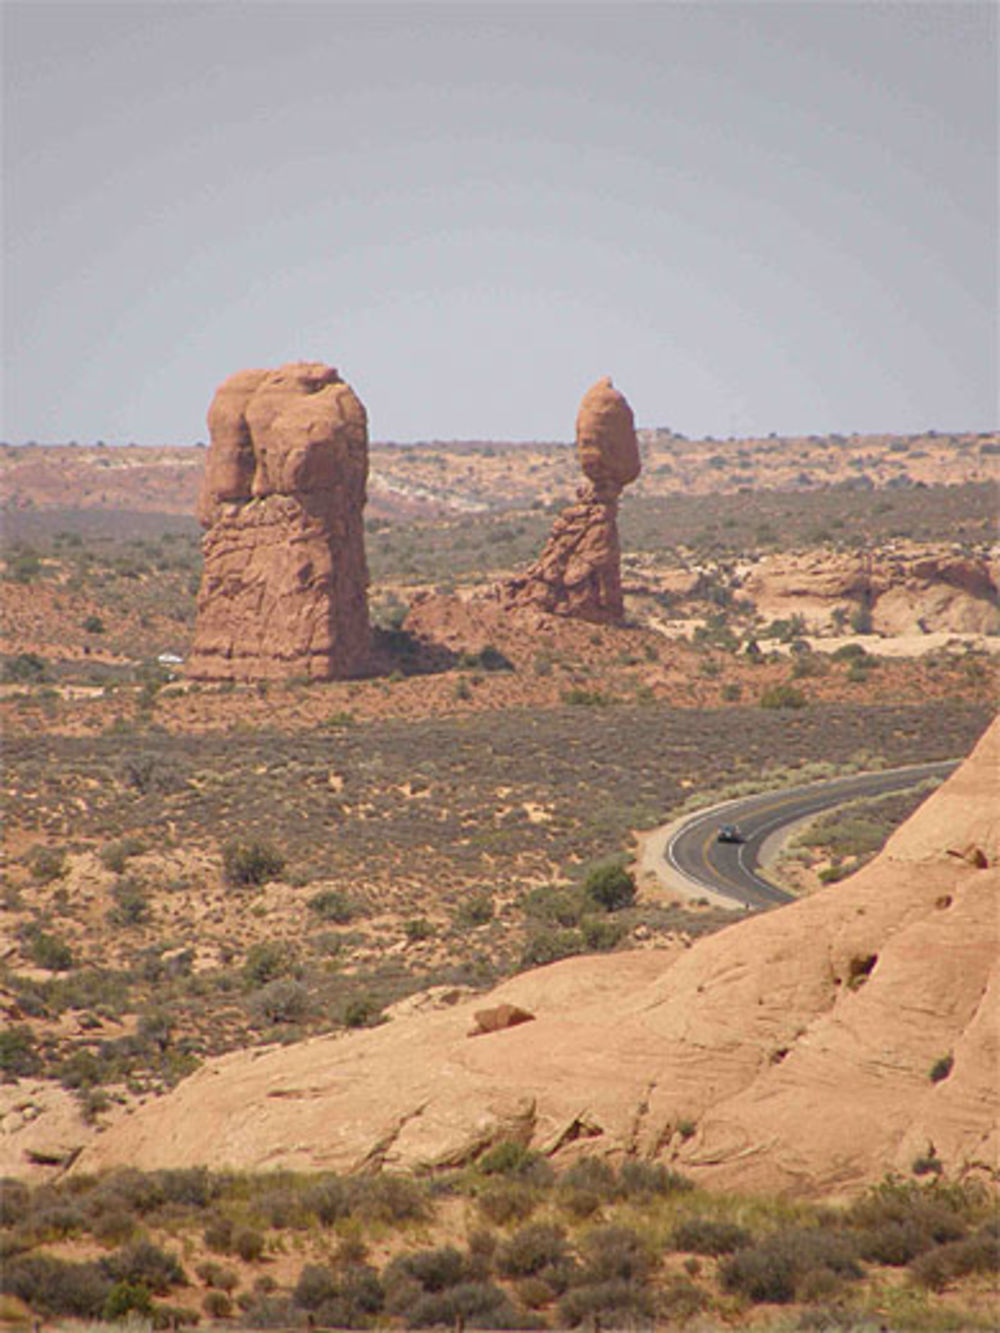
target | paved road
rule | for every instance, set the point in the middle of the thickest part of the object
(731, 868)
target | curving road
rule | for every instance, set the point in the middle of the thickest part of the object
(694, 851)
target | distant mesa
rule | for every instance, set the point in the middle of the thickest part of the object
(284, 588)
(579, 571)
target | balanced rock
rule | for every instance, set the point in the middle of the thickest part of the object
(579, 571)
(284, 589)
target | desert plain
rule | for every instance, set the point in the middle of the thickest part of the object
(248, 924)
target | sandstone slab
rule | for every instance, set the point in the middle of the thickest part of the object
(799, 1043)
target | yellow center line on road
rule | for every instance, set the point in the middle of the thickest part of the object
(714, 870)
(789, 801)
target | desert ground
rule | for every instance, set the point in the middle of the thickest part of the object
(219, 896)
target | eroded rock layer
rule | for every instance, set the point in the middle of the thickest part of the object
(579, 571)
(284, 588)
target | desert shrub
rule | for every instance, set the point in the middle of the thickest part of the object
(281, 1001)
(18, 1055)
(49, 951)
(266, 961)
(364, 1011)
(251, 862)
(391, 1199)
(55, 1217)
(217, 1305)
(489, 659)
(507, 1203)
(475, 910)
(893, 1243)
(532, 1248)
(643, 1179)
(912, 1215)
(433, 1270)
(315, 1285)
(131, 903)
(549, 946)
(927, 1164)
(56, 1286)
(128, 1301)
(578, 1202)
(25, 669)
(142, 1262)
(600, 934)
(248, 1243)
(760, 1275)
(533, 1292)
(615, 1304)
(781, 1267)
(47, 864)
(328, 1199)
(218, 1234)
(128, 1190)
(191, 1186)
(555, 906)
(610, 886)
(941, 1068)
(937, 1267)
(615, 1254)
(593, 1175)
(357, 1298)
(509, 1158)
(216, 1275)
(705, 1235)
(267, 1311)
(680, 1300)
(15, 1201)
(147, 773)
(481, 1304)
(127, 1298)
(417, 929)
(333, 905)
(782, 696)
(115, 855)
(93, 624)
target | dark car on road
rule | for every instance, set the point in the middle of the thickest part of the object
(729, 833)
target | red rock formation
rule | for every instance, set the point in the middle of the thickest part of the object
(284, 589)
(499, 1018)
(579, 571)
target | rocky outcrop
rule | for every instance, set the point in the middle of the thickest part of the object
(579, 571)
(284, 589)
(799, 1044)
(905, 589)
(499, 1018)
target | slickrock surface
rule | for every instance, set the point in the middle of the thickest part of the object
(800, 1043)
(907, 589)
(284, 589)
(579, 571)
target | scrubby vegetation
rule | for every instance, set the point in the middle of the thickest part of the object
(478, 846)
(185, 1245)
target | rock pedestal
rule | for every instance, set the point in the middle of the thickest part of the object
(284, 588)
(579, 572)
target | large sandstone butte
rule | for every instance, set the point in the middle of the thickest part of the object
(798, 1043)
(285, 584)
(579, 571)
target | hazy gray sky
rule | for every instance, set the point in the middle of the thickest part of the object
(754, 216)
